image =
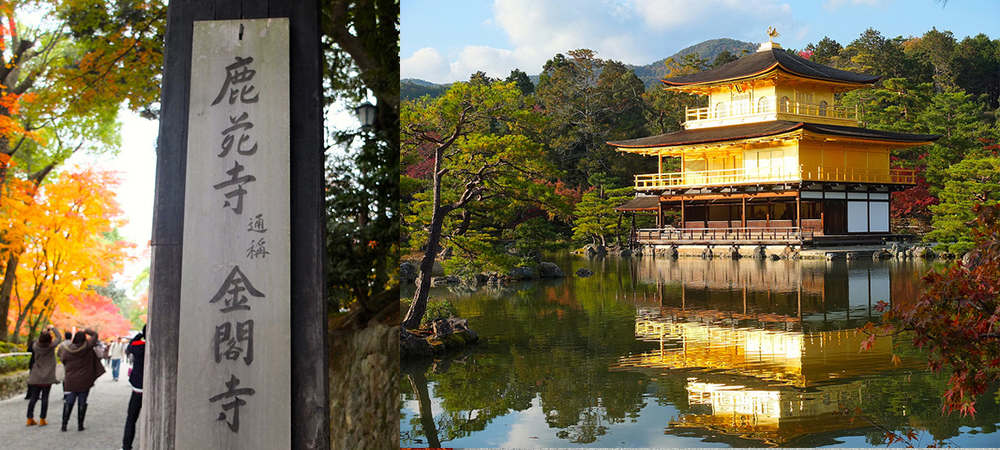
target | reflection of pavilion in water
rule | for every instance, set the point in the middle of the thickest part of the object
(806, 292)
(771, 416)
(764, 349)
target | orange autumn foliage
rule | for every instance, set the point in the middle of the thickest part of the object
(59, 234)
(93, 311)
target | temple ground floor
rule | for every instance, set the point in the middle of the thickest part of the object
(810, 214)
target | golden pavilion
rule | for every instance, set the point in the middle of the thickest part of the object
(773, 159)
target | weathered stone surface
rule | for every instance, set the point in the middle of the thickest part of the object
(411, 346)
(364, 387)
(408, 272)
(946, 255)
(774, 257)
(707, 253)
(584, 272)
(550, 270)
(830, 256)
(881, 254)
(671, 252)
(12, 384)
(759, 252)
(523, 273)
(789, 253)
(441, 327)
(852, 255)
(733, 252)
(444, 281)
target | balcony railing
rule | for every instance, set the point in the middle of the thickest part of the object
(734, 234)
(768, 106)
(771, 175)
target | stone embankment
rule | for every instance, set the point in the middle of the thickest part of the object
(364, 381)
(13, 383)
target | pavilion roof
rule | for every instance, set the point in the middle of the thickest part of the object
(766, 61)
(641, 203)
(764, 129)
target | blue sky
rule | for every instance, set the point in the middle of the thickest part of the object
(447, 40)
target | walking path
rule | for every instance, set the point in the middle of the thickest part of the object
(105, 421)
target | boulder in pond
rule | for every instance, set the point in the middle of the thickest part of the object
(408, 272)
(411, 346)
(584, 272)
(523, 273)
(550, 270)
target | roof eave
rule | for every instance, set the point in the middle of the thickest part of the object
(761, 73)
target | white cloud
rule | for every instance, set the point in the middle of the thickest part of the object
(426, 64)
(631, 31)
(495, 62)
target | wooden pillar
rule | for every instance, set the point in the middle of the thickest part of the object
(798, 209)
(743, 216)
(308, 348)
(683, 219)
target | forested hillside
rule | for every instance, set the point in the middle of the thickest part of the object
(709, 50)
(650, 74)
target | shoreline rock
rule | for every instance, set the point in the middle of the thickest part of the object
(441, 336)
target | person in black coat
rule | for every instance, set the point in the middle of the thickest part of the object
(31, 362)
(137, 351)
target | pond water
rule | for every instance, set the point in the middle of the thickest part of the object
(685, 353)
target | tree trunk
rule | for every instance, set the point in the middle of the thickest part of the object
(5, 290)
(27, 310)
(419, 305)
(419, 384)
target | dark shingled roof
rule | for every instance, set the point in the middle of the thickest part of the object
(641, 203)
(763, 62)
(762, 129)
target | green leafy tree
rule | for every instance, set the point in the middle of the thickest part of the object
(963, 125)
(976, 67)
(934, 49)
(362, 61)
(589, 102)
(474, 135)
(972, 181)
(522, 80)
(595, 216)
(665, 110)
(724, 57)
(825, 52)
(688, 64)
(875, 54)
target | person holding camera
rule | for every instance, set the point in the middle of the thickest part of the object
(42, 375)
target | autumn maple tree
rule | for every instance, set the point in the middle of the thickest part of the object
(63, 249)
(64, 74)
(957, 318)
(91, 310)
